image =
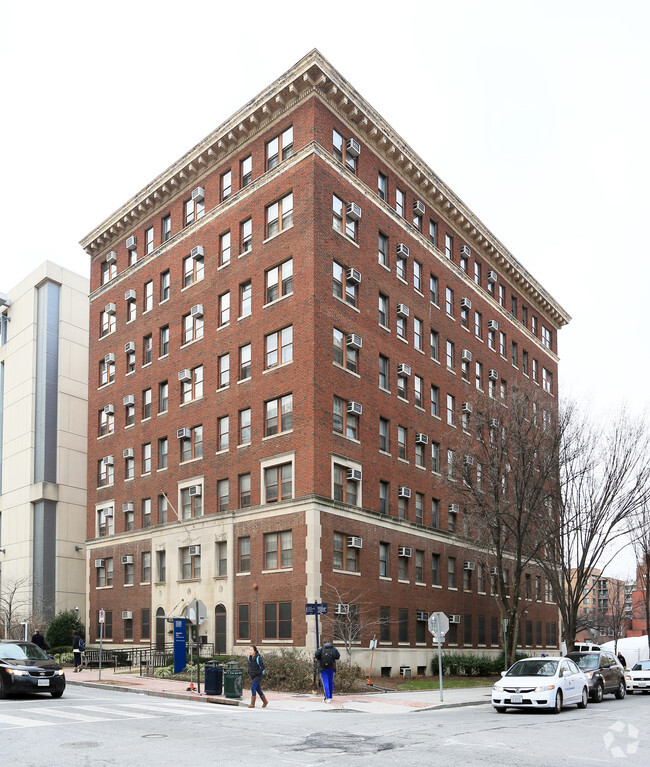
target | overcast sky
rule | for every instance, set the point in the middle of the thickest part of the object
(537, 114)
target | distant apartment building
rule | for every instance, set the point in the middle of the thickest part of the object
(606, 608)
(43, 433)
(287, 329)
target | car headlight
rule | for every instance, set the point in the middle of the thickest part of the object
(60, 672)
(498, 688)
(16, 672)
(589, 674)
(545, 688)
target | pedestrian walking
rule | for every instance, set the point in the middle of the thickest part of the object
(621, 659)
(256, 670)
(327, 655)
(38, 639)
(78, 646)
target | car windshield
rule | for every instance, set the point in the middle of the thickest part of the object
(585, 661)
(533, 667)
(20, 651)
(642, 665)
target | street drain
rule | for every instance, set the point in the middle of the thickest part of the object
(154, 735)
(81, 744)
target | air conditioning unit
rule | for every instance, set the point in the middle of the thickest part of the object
(110, 309)
(356, 408)
(494, 422)
(197, 310)
(129, 400)
(418, 208)
(402, 310)
(195, 490)
(492, 276)
(465, 251)
(403, 492)
(466, 355)
(184, 375)
(465, 303)
(494, 571)
(403, 369)
(493, 325)
(107, 512)
(127, 507)
(341, 609)
(131, 242)
(354, 474)
(198, 194)
(184, 434)
(197, 252)
(454, 619)
(353, 275)
(109, 409)
(127, 615)
(107, 460)
(453, 508)
(421, 438)
(402, 250)
(127, 452)
(100, 563)
(353, 211)
(195, 551)
(406, 671)
(469, 566)
(109, 358)
(468, 460)
(127, 559)
(493, 375)
(421, 615)
(111, 258)
(468, 407)
(354, 341)
(352, 147)
(354, 542)
(130, 295)
(404, 551)
(129, 347)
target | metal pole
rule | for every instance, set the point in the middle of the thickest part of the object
(198, 650)
(440, 665)
(101, 644)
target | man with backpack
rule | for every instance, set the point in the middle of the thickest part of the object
(327, 655)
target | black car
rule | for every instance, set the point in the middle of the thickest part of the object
(24, 667)
(604, 672)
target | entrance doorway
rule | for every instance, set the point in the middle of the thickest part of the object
(220, 630)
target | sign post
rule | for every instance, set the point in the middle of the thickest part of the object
(439, 626)
(504, 626)
(315, 609)
(373, 647)
(102, 620)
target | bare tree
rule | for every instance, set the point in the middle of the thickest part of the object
(604, 482)
(612, 616)
(14, 605)
(509, 475)
(354, 619)
(639, 532)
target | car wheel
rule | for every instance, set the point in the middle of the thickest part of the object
(585, 698)
(3, 692)
(598, 694)
(500, 709)
(558, 702)
(57, 693)
(620, 692)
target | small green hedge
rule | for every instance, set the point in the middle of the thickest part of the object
(468, 664)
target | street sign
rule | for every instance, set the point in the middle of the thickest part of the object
(102, 616)
(373, 644)
(316, 608)
(438, 624)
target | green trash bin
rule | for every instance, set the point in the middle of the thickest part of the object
(232, 680)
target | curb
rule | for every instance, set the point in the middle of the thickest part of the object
(157, 693)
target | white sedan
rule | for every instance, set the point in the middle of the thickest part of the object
(547, 682)
(638, 677)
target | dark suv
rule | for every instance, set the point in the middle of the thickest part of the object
(604, 672)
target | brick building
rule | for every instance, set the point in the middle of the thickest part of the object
(278, 323)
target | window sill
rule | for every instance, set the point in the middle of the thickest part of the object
(243, 380)
(188, 580)
(402, 339)
(277, 300)
(385, 327)
(244, 253)
(452, 588)
(103, 588)
(237, 575)
(190, 343)
(127, 585)
(402, 580)
(278, 570)
(244, 316)
(436, 586)
(276, 367)
(386, 453)
(346, 303)
(346, 572)
(381, 388)
(190, 460)
(222, 452)
(345, 237)
(385, 578)
(190, 401)
(277, 234)
(275, 436)
(244, 444)
(349, 439)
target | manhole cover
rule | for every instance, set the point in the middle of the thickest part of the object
(81, 744)
(337, 744)
(154, 735)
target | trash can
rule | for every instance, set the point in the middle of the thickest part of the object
(232, 680)
(213, 678)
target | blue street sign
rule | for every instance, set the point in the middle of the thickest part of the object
(316, 608)
(180, 651)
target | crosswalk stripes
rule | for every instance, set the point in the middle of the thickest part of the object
(61, 714)
(179, 710)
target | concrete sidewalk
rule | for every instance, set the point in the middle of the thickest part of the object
(375, 702)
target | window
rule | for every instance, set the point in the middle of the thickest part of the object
(467, 580)
(382, 186)
(492, 339)
(400, 267)
(277, 620)
(433, 232)
(435, 457)
(128, 573)
(162, 509)
(244, 551)
(382, 250)
(130, 360)
(478, 329)
(278, 483)
(279, 281)
(148, 239)
(400, 202)
(245, 354)
(419, 512)
(524, 362)
(547, 380)
(546, 337)
(278, 550)
(451, 572)
(131, 310)
(435, 513)
(464, 317)
(109, 271)
(278, 416)
(191, 503)
(417, 276)
(450, 466)
(401, 325)
(245, 426)
(224, 309)
(194, 210)
(223, 433)
(450, 354)
(341, 219)
(226, 185)
(106, 421)
(534, 370)
(146, 404)
(105, 573)
(133, 256)
(163, 452)
(344, 422)
(384, 497)
(245, 299)
(224, 370)
(280, 148)
(164, 341)
(192, 388)
(148, 296)
(246, 171)
(433, 289)
(244, 491)
(344, 557)
(448, 246)
(129, 466)
(105, 523)
(223, 498)
(451, 409)
(147, 350)
(419, 566)
(515, 354)
(402, 386)
(435, 569)
(350, 357)
(384, 559)
(166, 228)
(192, 445)
(246, 233)
(417, 333)
(384, 372)
(192, 270)
(418, 385)
(279, 216)
(402, 508)
(384, 435)
(403, 624)
(190, 564)
(146, 566)
(402, 433)
(502, 295)
(449, 301)
(477, 272)
(129, 414)
(339, 279)
(502, 343)
(435, 401)
(243, 621)
(384, 624)
(479, 376)
(221, 558)
(344, 488)
(513, 306)
(279, 347)
(434, 343)
(108, 323)
(224, 249)
(146, 458)
(464, 263)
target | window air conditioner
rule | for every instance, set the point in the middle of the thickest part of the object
(492, 276)
(418, 208)
(127, 507)
(421, 438)
(131, 242)
(197, 310)
(195, 490)
(100, 563)
(403, 492)
(494, 422)
(454, 508)
(184, 434)
(355, 408)
(127, 615)
(129, 400)
(402, 310)
(406, 671)
(111, 258)
(195, 551)
(109, 409)
(127, 452)
(404, 551)
(469, 566)
(198, 194)
(403, 369)
(353, 275)
(421, 615)
(493, 325)
(197, 252)
(107, 460)
(352, 147)
(466, 355)
(110, 309)
(354, 542)
(353, 211)
(341, 609)
(109, 358)
(354, 474)
(402, 250)
(454, 619)
(493, 374)
(354, 341)
(130, 295)
(465, 303)
(184, 375)
(468, 407)
(468, 460)
(107, 512)
(465, 251)
(494, 571)
(127, 559)
(129, 346)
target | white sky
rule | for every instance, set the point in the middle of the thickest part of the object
(537, 114)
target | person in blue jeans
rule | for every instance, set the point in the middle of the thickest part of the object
(256, 670)
(327, 655)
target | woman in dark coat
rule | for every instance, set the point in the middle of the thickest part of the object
(256, 672)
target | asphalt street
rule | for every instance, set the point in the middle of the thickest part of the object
(98, 728)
